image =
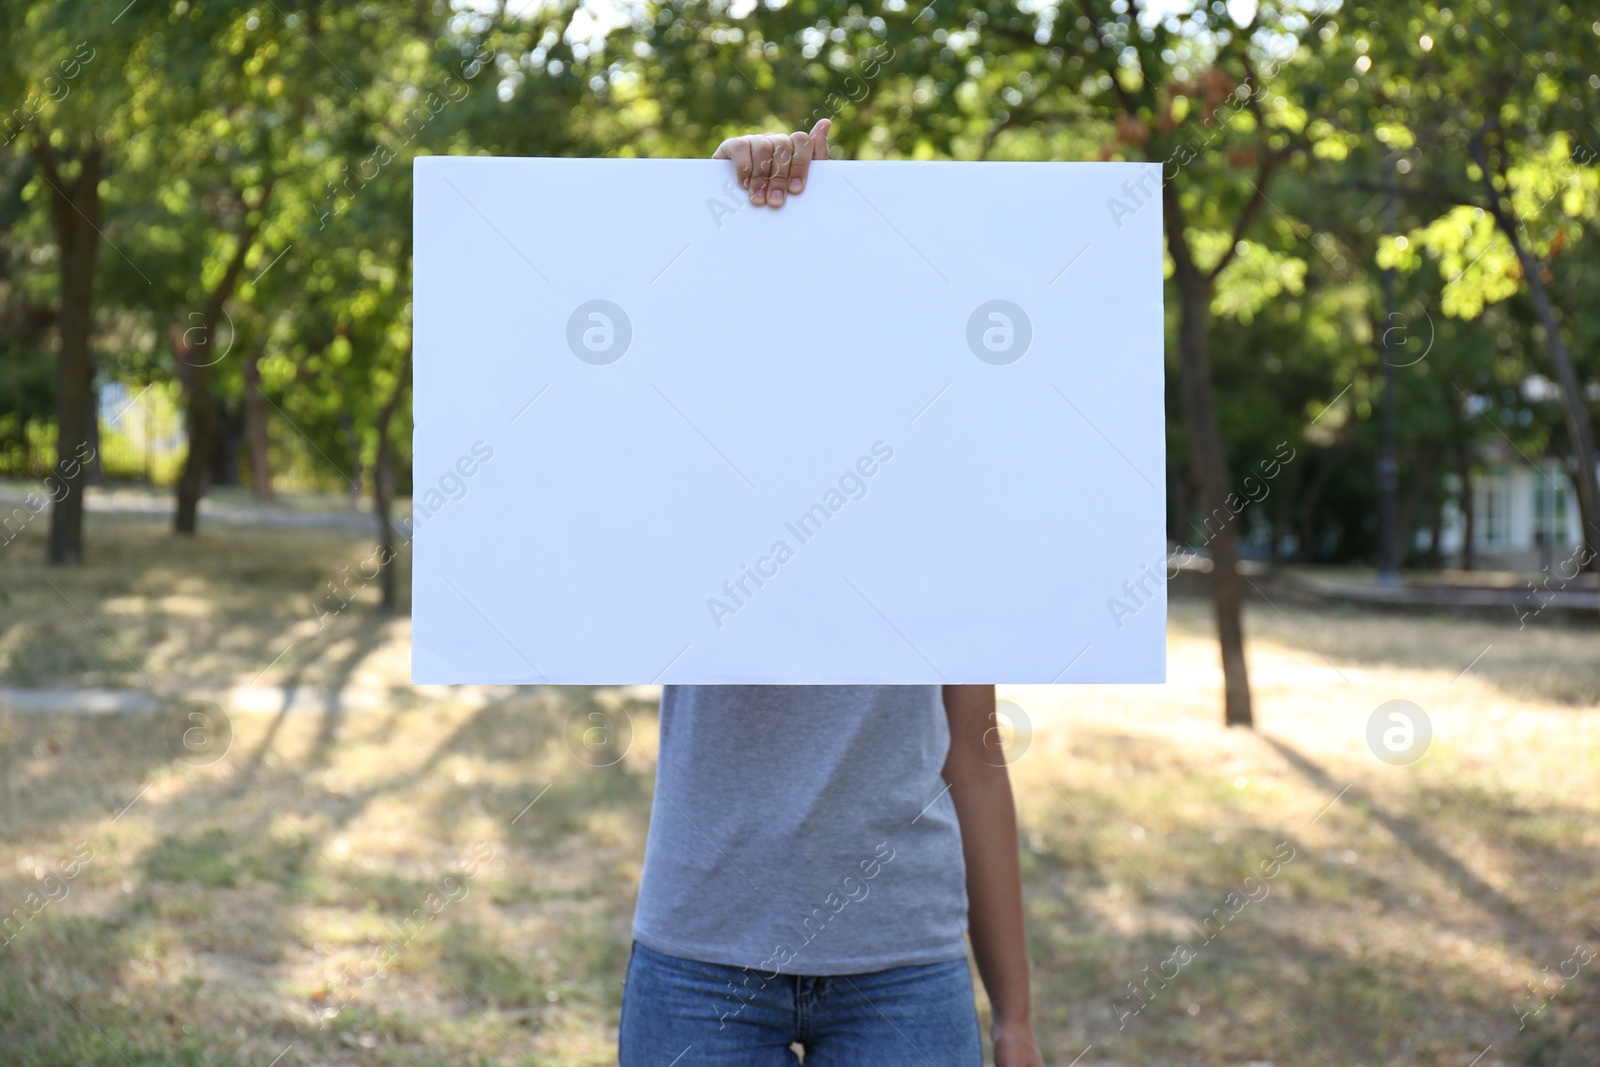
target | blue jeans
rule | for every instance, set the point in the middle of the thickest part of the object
(682, 1013)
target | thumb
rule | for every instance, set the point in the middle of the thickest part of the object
(819, 138)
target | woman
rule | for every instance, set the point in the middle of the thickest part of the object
(816, 854)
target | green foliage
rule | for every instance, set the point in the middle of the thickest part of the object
(294, 132)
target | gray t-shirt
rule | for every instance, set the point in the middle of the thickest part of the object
(803, 830)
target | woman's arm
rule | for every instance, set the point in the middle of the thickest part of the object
(981, 789)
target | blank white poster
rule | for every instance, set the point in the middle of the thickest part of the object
(908, 428)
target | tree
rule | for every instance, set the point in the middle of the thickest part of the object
(1494, 116)
(1183, 90)
(75, 122)
(75, 215)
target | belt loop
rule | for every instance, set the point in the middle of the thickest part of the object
(802, 1008)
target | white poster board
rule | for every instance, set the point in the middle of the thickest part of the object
(907, 429)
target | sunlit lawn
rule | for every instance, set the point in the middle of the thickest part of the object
(303, 886)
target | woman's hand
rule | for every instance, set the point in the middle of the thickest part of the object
(772, 166)
(1015, 1045)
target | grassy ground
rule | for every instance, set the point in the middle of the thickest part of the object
(359, 878)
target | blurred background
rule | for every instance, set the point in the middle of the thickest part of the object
(231, 832)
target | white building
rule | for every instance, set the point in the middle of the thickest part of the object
(1525, 515)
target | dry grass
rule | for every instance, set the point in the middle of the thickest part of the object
(229, 907)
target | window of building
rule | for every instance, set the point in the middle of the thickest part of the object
(1551, 492)
(1494, 508)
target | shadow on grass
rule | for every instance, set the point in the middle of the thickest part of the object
(229, 863)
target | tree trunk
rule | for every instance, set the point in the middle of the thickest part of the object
(225, 450)
(194, 351)
(1182, 505)
(353, 440)
(1281, 512)
(1586, 480)
(1329, 459)
(255, 428)
(1420, 487)
(1306, 528)
(1436, 529)
(383, 484)
(1211, 471)
(75, 213)
(97, 470)
(1468, 530)
(202, 425)
(1210, 463)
